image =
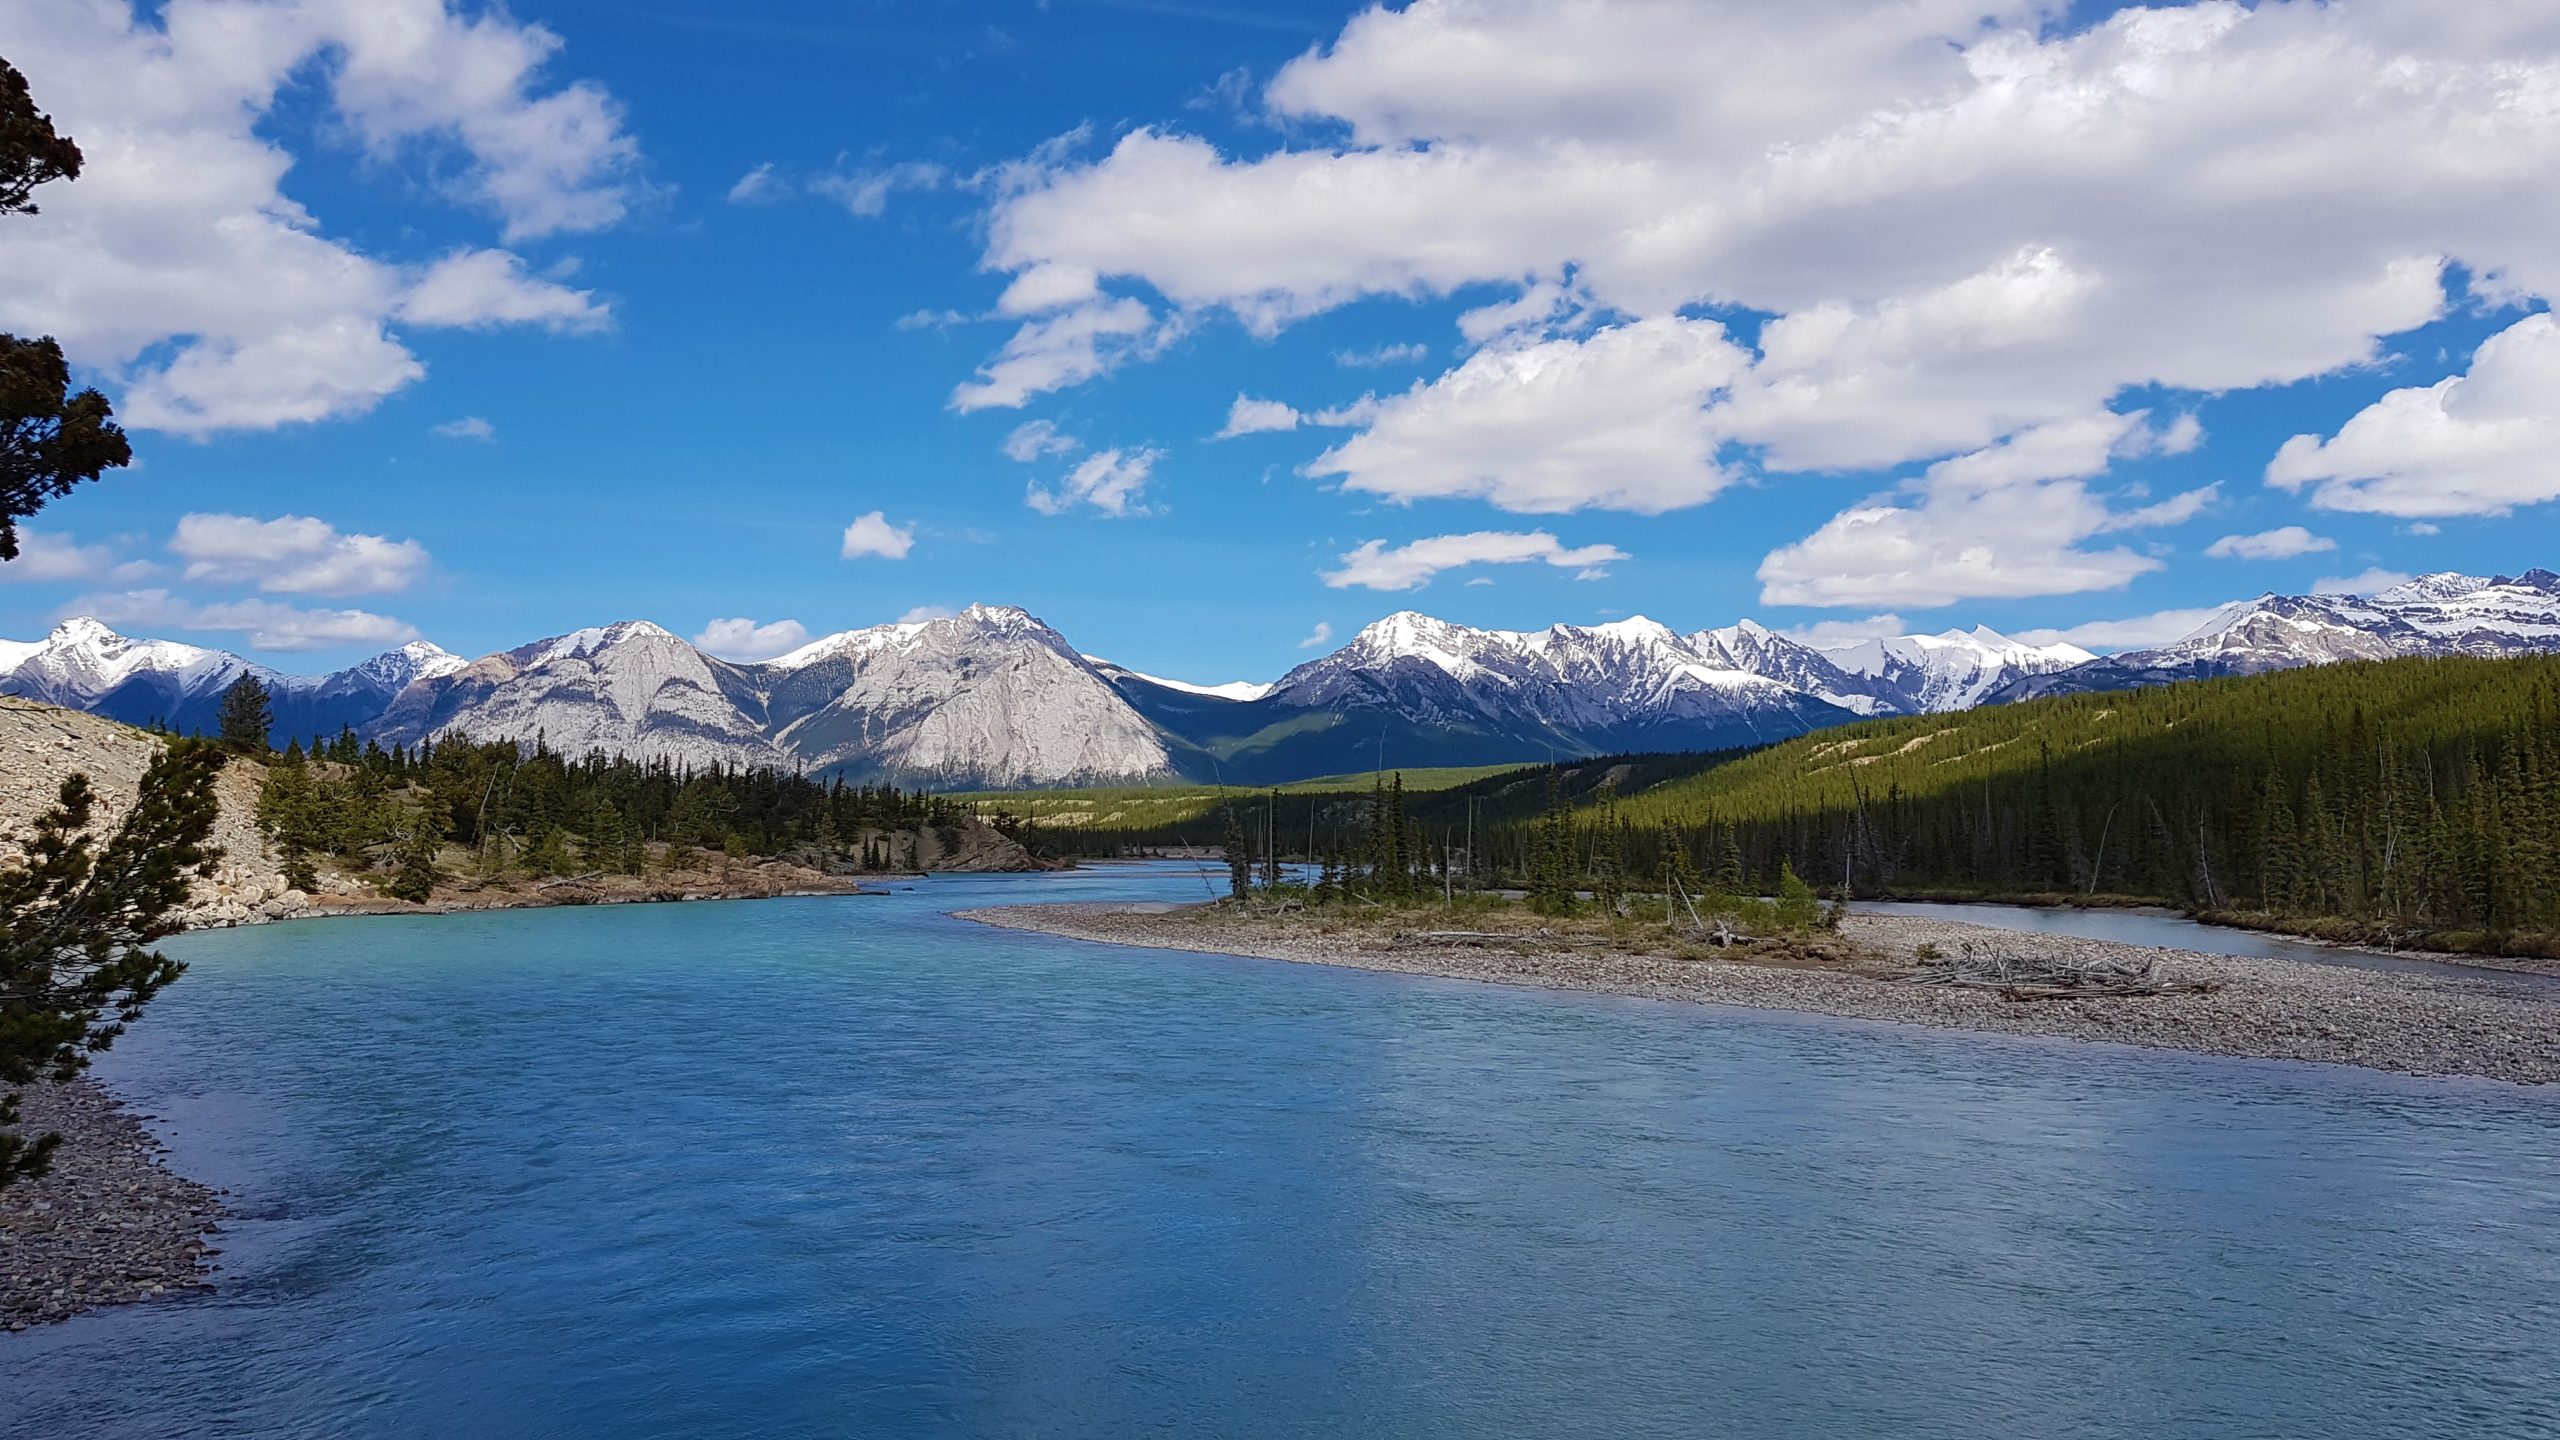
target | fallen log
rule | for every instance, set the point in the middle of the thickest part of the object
(2107, 992)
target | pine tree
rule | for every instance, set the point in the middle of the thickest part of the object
(77, 919)
(418, 875)
(1239, 857)
(246, 716)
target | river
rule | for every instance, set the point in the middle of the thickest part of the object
(849, 1166)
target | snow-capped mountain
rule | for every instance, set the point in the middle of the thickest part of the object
(1462, 694)
(632, 688)
(988, 695)
(1952, 670)
(83, 665)
(2444, 614)
(992, 696)
(1754, 647)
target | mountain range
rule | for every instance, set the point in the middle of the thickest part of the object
(992, 696)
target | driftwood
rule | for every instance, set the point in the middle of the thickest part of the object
(2069, 992)
(1983, 966)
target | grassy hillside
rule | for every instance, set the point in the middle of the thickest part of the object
(2424, 793)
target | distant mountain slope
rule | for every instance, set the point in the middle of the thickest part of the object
(83, 665)
(1411, 690)
(2447, 614)
(992, 697)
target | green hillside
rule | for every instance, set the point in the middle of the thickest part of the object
(2425, 792)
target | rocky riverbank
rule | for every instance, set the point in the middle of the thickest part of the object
(2263, 1009)
(111, 1225)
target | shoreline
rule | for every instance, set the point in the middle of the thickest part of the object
(112, 1224)
(2265, 1009)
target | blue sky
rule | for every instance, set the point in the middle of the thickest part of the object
(655, 394)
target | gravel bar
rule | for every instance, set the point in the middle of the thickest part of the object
(110, 1225)
(2265, 1009)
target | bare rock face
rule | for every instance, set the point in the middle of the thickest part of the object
(631, 689)
(40, 745)
(988, 696)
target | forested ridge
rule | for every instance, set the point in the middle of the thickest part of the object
(2417, 793)
(2408, 798)
(536, 811)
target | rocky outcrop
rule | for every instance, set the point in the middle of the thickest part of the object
(42, 744)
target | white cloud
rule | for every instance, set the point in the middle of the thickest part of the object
(1110, 481)
(1966, 219)
(1823, 633)
(177, 263)
(44, 555)
(469, 427)
(744, 639)
(1249, 416)
(2138, 632)
(2480, 443)
(872, 534)
(294, 555)
(757, 187)
(1319, 636)
(2283, 543)
(866, 193)
(1615, 421)
(1033, 439)
(2368, 583)
(484, 289)
(2005, 522)
(1412, 566)
(1379, 357)
(269, 624)
(1051, 354)
(921, 614)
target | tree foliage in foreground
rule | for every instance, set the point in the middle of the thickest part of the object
(51, 436)
(77, 922)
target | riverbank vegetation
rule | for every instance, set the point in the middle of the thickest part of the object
(2403, 802)
(412, 820)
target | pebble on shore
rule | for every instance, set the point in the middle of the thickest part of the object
(110, 1225)
(2264, 1009)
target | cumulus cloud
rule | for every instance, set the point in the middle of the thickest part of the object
(45, 555)
(1053, 353)
(1033, 439)
(485, 289)
(2282, 543)
(1249, 416)
(1835, 633)
(260, 318)
(743, 639)
(2370, 582)
(2137, 632)
(1319, 636)
(2005, 522)
(1411, 566)
(1965, 220)
(1615, 421)
(2479, 443)
(922, 614)
(469, 427)
(1111, 481)
(268, 624)
(294, 555)
(872, 534)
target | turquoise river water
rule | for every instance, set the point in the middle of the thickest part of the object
(853, 1167)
